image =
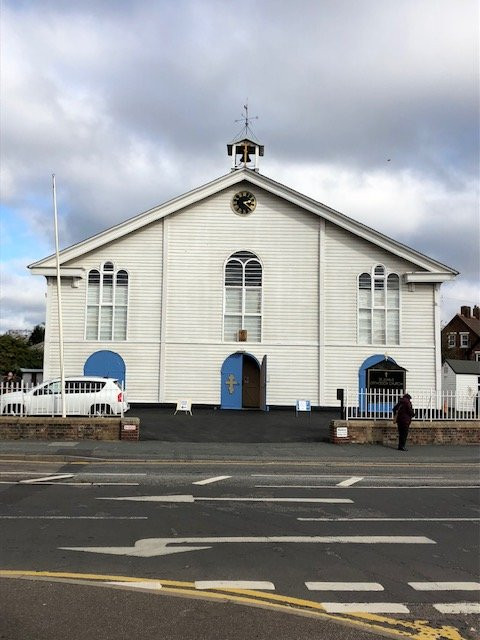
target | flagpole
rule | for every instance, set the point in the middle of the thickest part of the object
(59, 299)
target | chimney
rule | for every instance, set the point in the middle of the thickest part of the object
(476, 312)
(466, 312)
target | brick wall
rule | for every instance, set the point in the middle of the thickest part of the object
(385, 432)
(40, 428)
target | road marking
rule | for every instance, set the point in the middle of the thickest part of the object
(363, 487)
(398, 628)
(210, 480)
(77, 484)
(445, 586)
(365, 607)
(45, 478)
(344, 586)
(151, 547)
(389, 519)
(458, 607)
(349, 481)
(188, 498)
(234, 584)
(73, 517)
(153, 585)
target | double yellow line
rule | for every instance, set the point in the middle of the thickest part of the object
(387, 627)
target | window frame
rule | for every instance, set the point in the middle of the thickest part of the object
(375, 279)
(464, 339)
(113, 304)
(451, 339)
(243, 288)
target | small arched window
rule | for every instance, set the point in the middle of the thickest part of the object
(243, 297)
(107, 303)
(378, 307)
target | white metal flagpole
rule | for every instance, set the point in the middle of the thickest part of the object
(59, 299)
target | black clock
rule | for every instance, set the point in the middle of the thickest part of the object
(244, 202)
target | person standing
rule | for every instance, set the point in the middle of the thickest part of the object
(402, 414)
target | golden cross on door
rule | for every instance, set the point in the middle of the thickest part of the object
(231, 382)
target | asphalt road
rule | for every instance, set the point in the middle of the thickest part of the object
(248, 550)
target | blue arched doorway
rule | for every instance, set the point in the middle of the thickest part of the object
(373, 399)
(107, 364)
(243, 382)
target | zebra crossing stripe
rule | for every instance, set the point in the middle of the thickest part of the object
(344, 586)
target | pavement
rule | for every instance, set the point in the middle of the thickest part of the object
(224, 436)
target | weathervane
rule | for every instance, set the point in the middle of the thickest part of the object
(246, 122)
(245, 148)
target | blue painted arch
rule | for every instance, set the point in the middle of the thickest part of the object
(231, 377)
(362, 376)
(107, 364)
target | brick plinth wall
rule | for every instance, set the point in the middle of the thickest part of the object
(42, 428)
(385, 432)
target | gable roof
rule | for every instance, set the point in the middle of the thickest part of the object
(470, 323)
(471, 367)
(429, 270)
(473, 324)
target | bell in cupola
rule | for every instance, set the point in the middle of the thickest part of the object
(245, 151)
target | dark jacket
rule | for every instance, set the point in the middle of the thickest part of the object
(403, 411)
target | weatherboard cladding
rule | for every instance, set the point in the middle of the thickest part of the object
(198, 240)
(254, 180)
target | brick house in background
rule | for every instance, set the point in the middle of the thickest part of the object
(461, 336)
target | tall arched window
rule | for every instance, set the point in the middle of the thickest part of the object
(243, 297)
(378, 307)
(107, 303)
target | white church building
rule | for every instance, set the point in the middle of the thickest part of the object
(244, 293)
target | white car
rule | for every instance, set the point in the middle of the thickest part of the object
(84, 396)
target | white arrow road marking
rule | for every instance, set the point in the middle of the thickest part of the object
(210, 480)
(56, 477)
(150, 547)
(185, 498)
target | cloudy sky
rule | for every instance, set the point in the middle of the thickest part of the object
(369, 106)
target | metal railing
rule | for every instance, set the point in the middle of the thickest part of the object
(82, 398)
(428, 404)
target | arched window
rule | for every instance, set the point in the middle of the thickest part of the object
(378, 307)
(107, 304)
(243, 297)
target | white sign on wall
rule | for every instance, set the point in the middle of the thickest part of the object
(342, 432)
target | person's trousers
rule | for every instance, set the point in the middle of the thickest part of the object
(402, 434)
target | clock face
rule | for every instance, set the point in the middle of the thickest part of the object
(244, 202)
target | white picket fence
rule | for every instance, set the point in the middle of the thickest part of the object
(429, 404)
(82, 398)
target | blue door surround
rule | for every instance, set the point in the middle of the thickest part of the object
(106, 364)
(232, 380)
(362, 376)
